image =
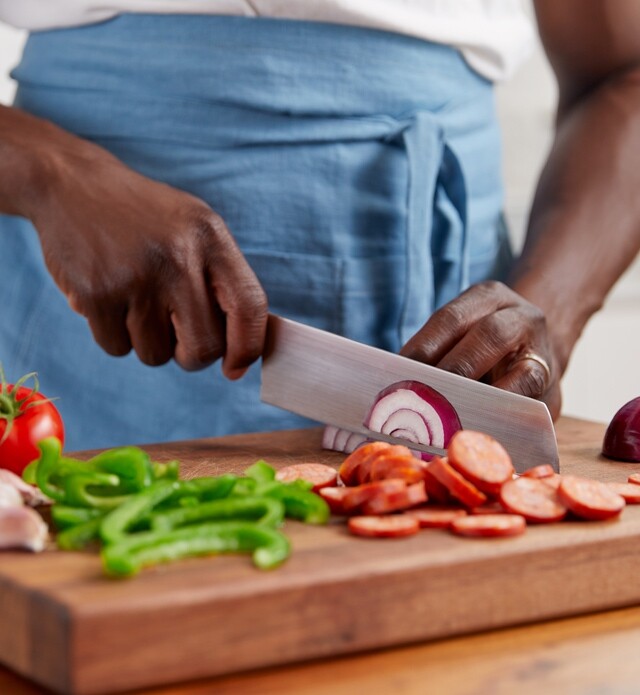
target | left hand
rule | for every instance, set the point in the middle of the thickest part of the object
(485, 333)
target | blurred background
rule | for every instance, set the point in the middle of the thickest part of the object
(604, 372)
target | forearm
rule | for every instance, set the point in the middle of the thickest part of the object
(24, 141)
(584, 228)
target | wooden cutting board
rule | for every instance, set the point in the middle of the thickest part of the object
(66, 626)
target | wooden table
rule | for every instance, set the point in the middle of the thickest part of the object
(584, 655)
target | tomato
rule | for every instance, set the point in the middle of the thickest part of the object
(26, 417)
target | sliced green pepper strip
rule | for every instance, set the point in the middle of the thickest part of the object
(77, 537)
(130, 463)
(50, 450)
(298, 503)
(204, 489)
(63, 467)
(263, 510)
(29, 473)
(166, 471)
(67, 466)
(261, 472)
(127, 557)
(116, 524)
(244, 486)
(65, 517)
(77, 491)
(301, 484)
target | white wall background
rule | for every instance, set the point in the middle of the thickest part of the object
(604, 371)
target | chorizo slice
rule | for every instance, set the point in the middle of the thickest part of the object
(481, 459)
(391, 526)
(385, 463)
(544, 470)
(628, 491)
(533, 499)
(361, 494)
(634, 478)
(456, 484)
(317, 473)
(384, 502)
(432, 517)
(348, 470)
(489, 525)
(590, 499)
(334, 497)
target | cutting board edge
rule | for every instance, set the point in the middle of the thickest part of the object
(574, 572)
(39, 618)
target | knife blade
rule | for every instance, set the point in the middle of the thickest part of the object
(334, 380)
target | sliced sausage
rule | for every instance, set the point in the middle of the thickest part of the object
(590, 499)
(489, 525)
(533, 499)
(391, 526)
(360, 494)
(436, 491)
(634, 478)
(544, 470)
(458, 487)
(383, 502)
(396, 464)
(552, 480)
(628, 491)
(349, 469)
(316, 473)
(432, 517)
(489, 508)
(481, 459)
(334, 497)
(384, 463)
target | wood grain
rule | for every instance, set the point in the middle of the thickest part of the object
(337, 594)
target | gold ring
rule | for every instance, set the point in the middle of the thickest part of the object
(540, 360)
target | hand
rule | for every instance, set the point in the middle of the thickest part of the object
(484, 334)
(151, 268)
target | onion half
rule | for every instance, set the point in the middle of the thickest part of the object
(415, 412)
(622, 438)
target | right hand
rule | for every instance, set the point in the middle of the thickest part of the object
(150, 267)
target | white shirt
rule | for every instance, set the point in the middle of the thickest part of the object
(493, 35)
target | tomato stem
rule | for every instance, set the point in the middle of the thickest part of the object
(10, 405)
(6, 407)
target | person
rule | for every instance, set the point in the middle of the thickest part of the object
(168, 178)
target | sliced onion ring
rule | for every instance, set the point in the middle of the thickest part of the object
(416, 412)
(342, 440)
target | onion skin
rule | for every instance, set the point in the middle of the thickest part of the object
(622, 438)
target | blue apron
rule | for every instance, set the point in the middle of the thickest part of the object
(359, 171)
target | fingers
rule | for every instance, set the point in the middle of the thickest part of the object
(449, 324)
(198, 324)
(150, 330)
(492, 332)
(486, 343)
(244, 304)
(526, 377)
(108, 326)
(202, 321)
(222, 311)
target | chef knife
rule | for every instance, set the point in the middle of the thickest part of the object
(334, 380)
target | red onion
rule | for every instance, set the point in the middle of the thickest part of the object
(622, 438)
(339, 439)
(414, 411)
